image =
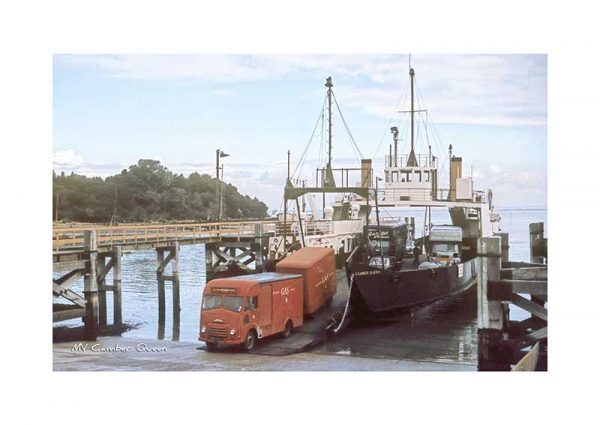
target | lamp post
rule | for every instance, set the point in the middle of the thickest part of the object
(219, 194)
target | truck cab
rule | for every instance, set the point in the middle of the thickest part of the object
(445, 244)
(239, 310)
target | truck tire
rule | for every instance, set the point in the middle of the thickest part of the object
(211, 346)
(287, 330)
(250, 340)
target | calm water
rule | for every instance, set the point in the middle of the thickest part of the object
(448, 329)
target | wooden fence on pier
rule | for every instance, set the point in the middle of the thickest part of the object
(71, 237)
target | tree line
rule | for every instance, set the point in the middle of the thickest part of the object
(148, 191)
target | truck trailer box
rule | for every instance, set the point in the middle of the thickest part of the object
(317, 266)
(237, 310)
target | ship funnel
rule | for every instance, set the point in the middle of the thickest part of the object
(366, 166)
(455, 174)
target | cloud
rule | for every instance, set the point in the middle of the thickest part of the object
(494, 169)
(68, 159)
(464, 89)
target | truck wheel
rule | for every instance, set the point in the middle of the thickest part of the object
(287, 330)
(250, 340)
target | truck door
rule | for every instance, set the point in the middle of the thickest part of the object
(264, 311)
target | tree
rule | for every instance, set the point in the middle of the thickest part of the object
(147, 191)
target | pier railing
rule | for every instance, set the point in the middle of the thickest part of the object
(72, 237)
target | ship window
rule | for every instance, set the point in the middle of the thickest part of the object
(406, 176)
(394, 176)
(417, 176)
(426, 176)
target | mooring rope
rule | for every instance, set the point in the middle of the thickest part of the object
(336, 330)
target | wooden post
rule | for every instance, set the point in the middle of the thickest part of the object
(161, 309)
(536, 236)
(101, 275)
(490, 314)
(117, 300)
(504, 247)
(175, 261)
(90, 286)
(208, 260)
(160, 257)
(176, 310)
(258, 262)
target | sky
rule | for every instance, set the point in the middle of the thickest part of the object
(109, 111)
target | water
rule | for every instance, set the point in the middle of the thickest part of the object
(443, 331)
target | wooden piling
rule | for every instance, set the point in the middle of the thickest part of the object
(160, 259)
(503, 342)
(101, 280)
(490, 314)
(175, 261)
(537, 243)
(161, 309)
(176, 310)
(117, 299)
(504, 247)
(90, 286)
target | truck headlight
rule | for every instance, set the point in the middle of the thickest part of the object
(232, 332)
(203, 329)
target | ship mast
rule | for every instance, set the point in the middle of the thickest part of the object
(412, 160)
(329, 181)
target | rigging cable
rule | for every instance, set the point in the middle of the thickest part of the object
(302, 159)
(355, 146)
(437, 139)
(400, 103)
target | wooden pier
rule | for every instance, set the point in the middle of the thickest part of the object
(505, 344)
(92, 251)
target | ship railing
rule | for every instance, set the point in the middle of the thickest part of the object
(312, 228)
(402, 161)
(424, 194)
(404, 194)
(346, 177)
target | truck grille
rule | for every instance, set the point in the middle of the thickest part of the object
(216, 332)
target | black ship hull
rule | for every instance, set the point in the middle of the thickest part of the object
(379, 294)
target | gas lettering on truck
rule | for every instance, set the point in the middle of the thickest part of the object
(324, 279)
(285, 290)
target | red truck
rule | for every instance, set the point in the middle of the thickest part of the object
(239, 310)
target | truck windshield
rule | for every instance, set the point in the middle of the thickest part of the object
(210, 302)
(233, 303)
(445, 248)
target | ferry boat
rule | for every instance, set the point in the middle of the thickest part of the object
(383, 278)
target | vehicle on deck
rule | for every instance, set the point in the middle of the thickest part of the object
(240, 310)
